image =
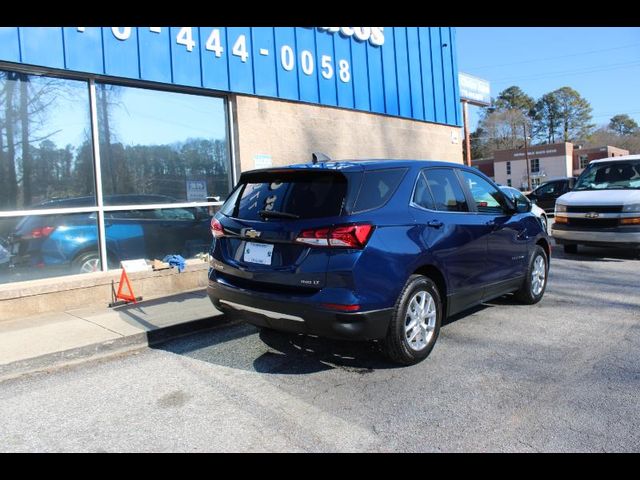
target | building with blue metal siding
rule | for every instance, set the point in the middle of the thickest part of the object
(97, 123)
(410, 72)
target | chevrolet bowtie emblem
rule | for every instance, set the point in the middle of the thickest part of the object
(252, 233)
(592, 215)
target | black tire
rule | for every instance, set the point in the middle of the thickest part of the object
(396, 344)
(527, 293)
(573, 248)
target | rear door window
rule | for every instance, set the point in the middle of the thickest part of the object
(377, 188)
(446, 190)
(302, 195)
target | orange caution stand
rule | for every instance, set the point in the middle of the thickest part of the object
(122, 298)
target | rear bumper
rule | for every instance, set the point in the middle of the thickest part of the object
(289, 315)
(618, 237)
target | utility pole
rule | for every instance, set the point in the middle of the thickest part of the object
(526, 155)
(467, 141)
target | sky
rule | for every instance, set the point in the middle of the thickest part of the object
(602, 64)
(142, 116)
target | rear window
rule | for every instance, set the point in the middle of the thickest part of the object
(300, 194)
(377, 188)
(446, 190)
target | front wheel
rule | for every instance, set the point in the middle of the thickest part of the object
(415, 322)
(535, 282)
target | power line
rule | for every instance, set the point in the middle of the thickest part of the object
(603, 68)
(553, 58)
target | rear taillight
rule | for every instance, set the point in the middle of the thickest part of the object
(216, 228)
(346, 236)
(41, 232)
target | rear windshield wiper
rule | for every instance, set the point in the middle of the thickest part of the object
(277, 214)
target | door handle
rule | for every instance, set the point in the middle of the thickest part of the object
(435, 224)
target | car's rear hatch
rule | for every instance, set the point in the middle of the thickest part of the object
(265, 215)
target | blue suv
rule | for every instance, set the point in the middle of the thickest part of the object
(372, 250)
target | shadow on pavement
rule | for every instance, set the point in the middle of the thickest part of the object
(242, 346)
(298, 354)
(596, 254)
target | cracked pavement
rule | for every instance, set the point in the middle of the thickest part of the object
(559, 376)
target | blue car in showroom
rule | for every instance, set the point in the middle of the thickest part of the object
(372, 250)
(50, 244)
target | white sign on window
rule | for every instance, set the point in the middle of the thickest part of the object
(196, 191)
(137, 265)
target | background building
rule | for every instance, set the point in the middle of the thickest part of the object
(546, 162)
(485, 165)
(115, 142)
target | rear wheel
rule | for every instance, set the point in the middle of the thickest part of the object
(415, 322)
(87, 263)
(571, 248)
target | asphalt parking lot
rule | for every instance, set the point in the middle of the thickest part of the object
(562, 375)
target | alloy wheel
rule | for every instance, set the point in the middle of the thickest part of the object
(420, 320)
(538, 275)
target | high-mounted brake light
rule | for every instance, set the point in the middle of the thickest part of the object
(216, 228)
(346, 236)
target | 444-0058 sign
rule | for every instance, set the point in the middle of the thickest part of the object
(409, 72)
(186, 37)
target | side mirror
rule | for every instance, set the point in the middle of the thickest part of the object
(523, 205)
(510, 203)
(517, 204)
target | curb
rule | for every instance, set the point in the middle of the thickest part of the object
(95, 351)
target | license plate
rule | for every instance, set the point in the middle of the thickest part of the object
(258, 253)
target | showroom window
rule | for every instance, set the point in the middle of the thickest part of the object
(161, 143)
(45, 142)
(164, 163)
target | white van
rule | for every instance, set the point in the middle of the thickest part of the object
(603, 209)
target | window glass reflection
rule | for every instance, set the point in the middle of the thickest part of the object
(38, 246)
(161, 143)
(154, 234)
(45, 141)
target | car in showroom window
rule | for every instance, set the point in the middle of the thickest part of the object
(372, 250)
(603, 209)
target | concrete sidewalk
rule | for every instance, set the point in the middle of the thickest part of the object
(45, 341)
